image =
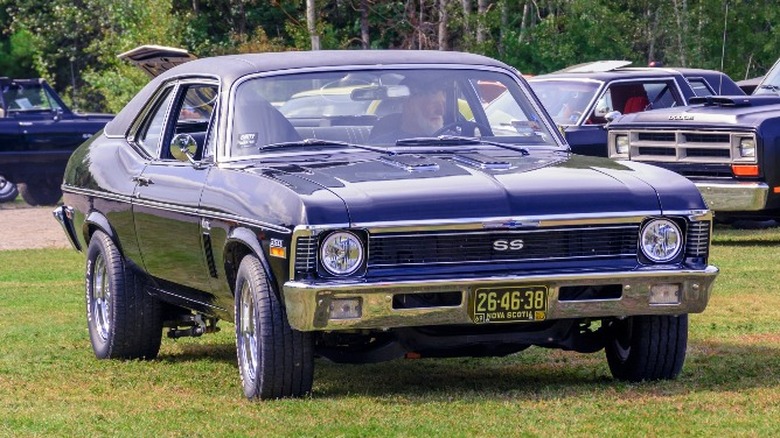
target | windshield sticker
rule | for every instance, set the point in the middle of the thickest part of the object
(247, 140)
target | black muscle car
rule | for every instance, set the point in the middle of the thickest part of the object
(352, 240)
(582, 98)
(38, 132)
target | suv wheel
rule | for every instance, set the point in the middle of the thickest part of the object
(41, 192)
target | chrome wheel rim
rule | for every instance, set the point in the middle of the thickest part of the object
(248, 333)
(101, 298)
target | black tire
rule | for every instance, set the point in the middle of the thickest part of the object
(41, 192)
(8, 191)
(647, 347)
(124, 321)
(274, 360)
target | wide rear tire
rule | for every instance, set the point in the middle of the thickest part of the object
(124, 321)
(647, 347)
(274, 360)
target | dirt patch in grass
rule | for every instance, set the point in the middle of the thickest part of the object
(24, 227)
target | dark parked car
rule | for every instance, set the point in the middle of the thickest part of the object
(201, 202)
(581, 97)
(38, 132)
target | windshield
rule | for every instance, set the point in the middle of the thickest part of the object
(385, 107)
(771, 82)
(566, 101)
(28, 97)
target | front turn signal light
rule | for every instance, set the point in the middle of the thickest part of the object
(745, 169)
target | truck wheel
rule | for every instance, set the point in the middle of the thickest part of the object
(124, 321)
(274, 360)
(8, 191)
(647, 347)
(40, 192)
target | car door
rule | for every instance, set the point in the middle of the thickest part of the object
(167, 195)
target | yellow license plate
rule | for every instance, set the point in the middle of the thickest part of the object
(509, 304)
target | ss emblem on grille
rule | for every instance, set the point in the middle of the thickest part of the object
(508, 245)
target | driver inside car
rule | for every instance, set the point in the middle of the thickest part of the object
(422, 114)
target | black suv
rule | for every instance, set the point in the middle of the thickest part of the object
(38, 132)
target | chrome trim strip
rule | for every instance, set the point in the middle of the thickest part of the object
(308, 304)
(501, 230)
(198, 212)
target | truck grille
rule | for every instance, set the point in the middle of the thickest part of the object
(684, 146)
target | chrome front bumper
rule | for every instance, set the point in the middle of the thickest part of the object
(734, 196)
(308, 305)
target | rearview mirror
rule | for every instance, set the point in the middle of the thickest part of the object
(380, 92)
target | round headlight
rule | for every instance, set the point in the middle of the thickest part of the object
(341, 253)
(661, 240)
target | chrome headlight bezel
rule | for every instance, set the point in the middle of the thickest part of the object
(661, 240)
(341, 253)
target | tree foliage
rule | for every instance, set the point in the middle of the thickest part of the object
(74, 43)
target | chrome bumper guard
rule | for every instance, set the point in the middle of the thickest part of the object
(308, 305)
(733, 196)
(64, 216)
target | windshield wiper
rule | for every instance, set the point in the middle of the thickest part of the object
(774, 88)
(456, 140)
(317, 142)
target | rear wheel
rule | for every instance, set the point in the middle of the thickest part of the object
(274, 360)
(124, 321)
(647, 347)
(42, 191)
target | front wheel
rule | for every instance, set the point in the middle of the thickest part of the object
(647, 347)
(124, 321)
(8, 191)
(41, 191)
(274, 360)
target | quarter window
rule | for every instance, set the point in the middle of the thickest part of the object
(152, 130)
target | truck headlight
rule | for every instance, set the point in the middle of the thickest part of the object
(747, 148)
(621, 144)
(341, 253)
(661, 240)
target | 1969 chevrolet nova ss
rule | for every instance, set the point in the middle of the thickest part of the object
(345, 237)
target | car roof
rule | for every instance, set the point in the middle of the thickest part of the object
(230, 68)
(721, 81)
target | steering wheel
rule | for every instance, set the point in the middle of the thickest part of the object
(462, 127)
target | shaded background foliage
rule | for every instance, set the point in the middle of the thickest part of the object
(74, 43)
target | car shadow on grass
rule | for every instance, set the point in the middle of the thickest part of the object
(545, 375)
(534, 374)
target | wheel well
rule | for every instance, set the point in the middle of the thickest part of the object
(234, 253)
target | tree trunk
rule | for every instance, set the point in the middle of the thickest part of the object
(681, 13)
(482, 7)
(311, 23)
(364, 24)
(443, 20)
(524, 21)
(467, 9)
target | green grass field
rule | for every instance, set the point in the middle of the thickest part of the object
(51, 383)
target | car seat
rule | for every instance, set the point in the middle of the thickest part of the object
(258, 123)
(636, 104)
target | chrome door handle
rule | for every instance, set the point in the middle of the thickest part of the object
(142, 180)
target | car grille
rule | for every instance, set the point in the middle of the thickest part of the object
(698, 239)
(683, 146)
(477, 247)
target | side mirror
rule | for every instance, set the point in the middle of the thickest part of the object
(58, 114)
(612, 116)
(184, 147)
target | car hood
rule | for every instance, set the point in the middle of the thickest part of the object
(456, 186)
(744, 111)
